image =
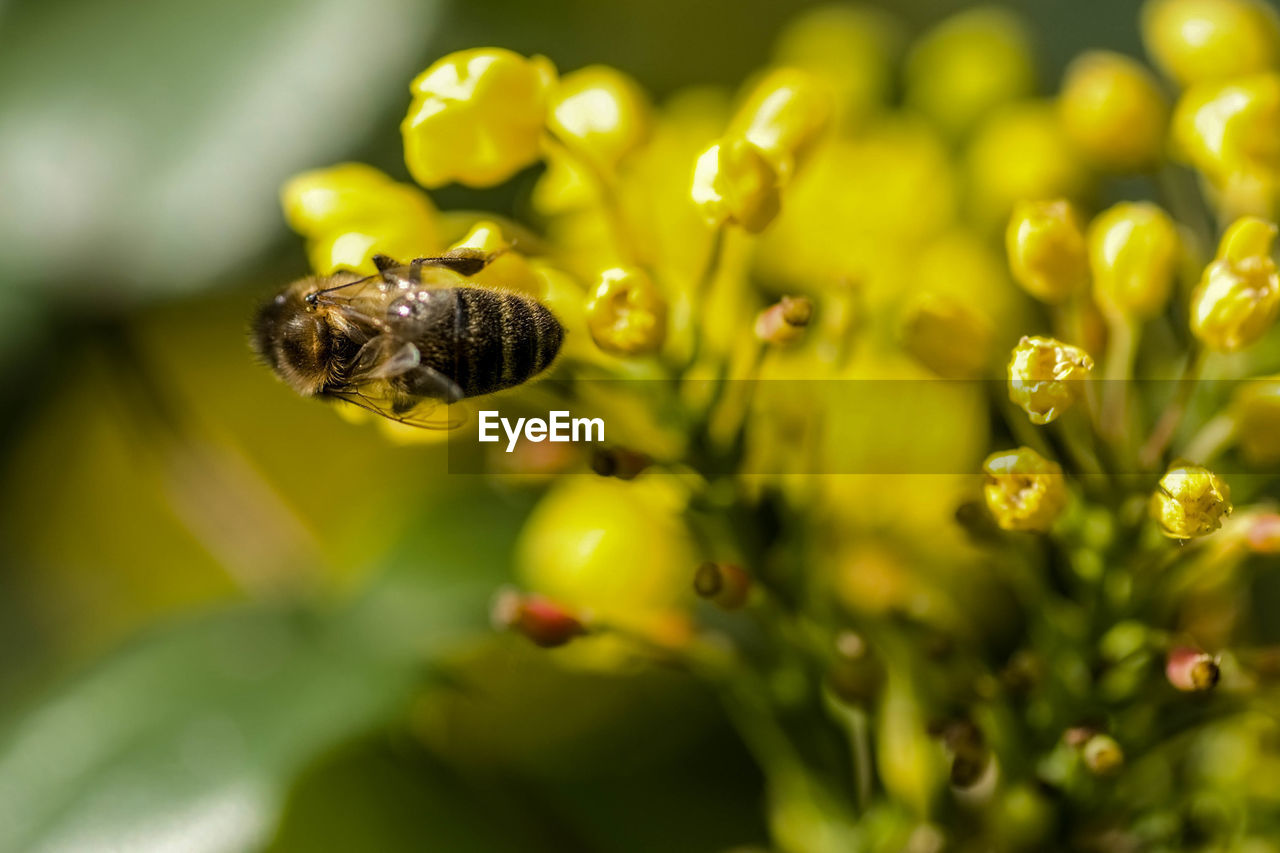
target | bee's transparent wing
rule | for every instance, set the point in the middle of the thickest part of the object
(384, 357)
(423, 413)
(387, 377)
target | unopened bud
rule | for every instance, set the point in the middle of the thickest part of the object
(626, 315)
(1103, 755)
(1133, 253)
(1238, 297)
(1045, 377)
(947, 336)
(725, 585)
(543, 621)
(784, 321)
(1190, 501)
(733, 182)
(1191, 670)
(619, 462)
(856, 675)
(1024, 491)
(1046, 247)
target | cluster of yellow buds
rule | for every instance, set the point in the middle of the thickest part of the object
(889, 222)
(739, 179)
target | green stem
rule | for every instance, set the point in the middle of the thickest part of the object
(1167, 425)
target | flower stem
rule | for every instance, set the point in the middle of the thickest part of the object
(1171, 417)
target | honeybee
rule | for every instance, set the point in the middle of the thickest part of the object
(404, 341)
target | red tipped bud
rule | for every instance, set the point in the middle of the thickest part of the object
(543, 621)
(725, 585)
(784, 322)
(1264, 533)
(1191, 670)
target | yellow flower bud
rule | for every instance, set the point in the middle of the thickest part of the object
(508, 270)
(853, 48)
(351, 212)
(1133, 253)
(326, 200)
(626, 315)
(1102, 755)
(1045, 376)
(1238, 297)
(1230, 132)
(733, 182)
(1190, 501)
(1256, 408)
(969, 64)
(1197, 40)
(477, 117)
(616, 551)
(1022, 153)
(1024, 491)
(1113, 111)
(783, 117)
(1047, 254)
(947, 336)
(600, 113)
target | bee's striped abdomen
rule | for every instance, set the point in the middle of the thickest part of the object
(502, 339)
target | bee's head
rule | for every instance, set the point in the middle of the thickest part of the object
(294, 337)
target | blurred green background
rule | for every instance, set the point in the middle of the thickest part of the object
(230, 620)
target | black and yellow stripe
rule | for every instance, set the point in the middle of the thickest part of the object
(497, 340)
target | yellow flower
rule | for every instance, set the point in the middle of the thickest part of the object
(1045, 376)
(1230, 132)
(600, 113)
(1197, 40)
(1024, 491)
(853, 48)
(626, 315)
(477, 117)
(615, 550)
(947, 335)
(1190, 501)
(1238, 297)
(1256, 409)
(784, 117)
(1022, 153)
(733, 182)
(351, 212)
(1113, 111)
(1046, 247)
(1133, 253)
(969, 64)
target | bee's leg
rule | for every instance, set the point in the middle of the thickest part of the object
(384, 263)
(464, 261)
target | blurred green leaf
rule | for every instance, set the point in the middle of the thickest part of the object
(190, 738)
(145, 140)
